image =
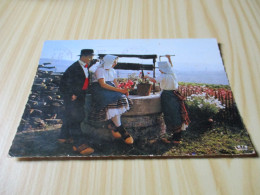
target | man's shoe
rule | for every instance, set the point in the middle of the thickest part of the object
(65, 141)
(83, 149)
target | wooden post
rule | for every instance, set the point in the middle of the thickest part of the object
(154, 75)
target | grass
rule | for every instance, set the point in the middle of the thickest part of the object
(218, 140)
(221, 140)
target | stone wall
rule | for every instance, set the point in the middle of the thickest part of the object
(44, 106)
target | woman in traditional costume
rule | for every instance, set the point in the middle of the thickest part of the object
(108, 101)
(172, 103)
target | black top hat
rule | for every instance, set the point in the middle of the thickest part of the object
(87, 52)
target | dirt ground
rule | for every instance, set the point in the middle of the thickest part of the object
(40, 143)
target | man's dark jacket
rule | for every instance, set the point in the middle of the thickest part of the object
(72, 81)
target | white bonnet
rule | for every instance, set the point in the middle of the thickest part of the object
(108, 61)
(165, 67)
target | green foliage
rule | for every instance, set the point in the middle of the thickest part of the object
(202, 107)
(213, 86)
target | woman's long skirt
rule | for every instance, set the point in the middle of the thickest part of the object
(174, 111)
(171, 109)
(106, 103)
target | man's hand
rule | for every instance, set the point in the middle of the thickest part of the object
(73, 97)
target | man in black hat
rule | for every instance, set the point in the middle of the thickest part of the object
(73, 87)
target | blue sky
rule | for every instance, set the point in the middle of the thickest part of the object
(191, 54)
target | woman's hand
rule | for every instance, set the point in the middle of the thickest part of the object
(168, 56)
(124, 91)
(150, 78)
(106, 86)
(169, 59)
(116, 83)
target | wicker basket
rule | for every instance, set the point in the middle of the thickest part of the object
(144, 89)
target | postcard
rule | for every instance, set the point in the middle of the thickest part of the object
(131, 98)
